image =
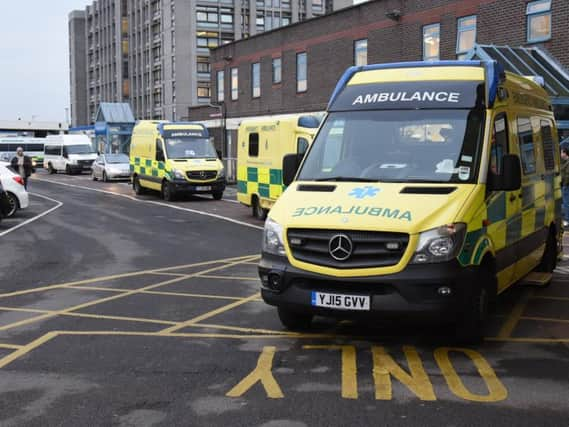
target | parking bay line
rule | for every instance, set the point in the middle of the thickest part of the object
(35, 218)
(120, 276)
(515, 315)
(111, 298)
(212, 215)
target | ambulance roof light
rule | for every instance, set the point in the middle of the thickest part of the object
(308, 122)
(536, 79)
(162, 124)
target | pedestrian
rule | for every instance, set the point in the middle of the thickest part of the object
(22, 164)
(565, 184)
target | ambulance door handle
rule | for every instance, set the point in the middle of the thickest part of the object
(512, 197)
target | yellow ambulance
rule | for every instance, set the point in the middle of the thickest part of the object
(262, 146)
(429, 189)
(175, 158)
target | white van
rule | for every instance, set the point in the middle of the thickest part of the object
(68, 153)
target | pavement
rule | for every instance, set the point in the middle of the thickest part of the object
(123, 310)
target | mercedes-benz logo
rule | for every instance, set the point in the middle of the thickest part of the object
(340, 247)
(202, 174)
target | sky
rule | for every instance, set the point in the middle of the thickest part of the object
(34, 59)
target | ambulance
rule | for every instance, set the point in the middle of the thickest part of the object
(262, 146)
(175, 158)
(429, 189)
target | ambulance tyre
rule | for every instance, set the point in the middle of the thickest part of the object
(167, 192)
(549, 259)
(138, 190)
(471, 320)
(217, 195)
(294, 320)
(258, 211)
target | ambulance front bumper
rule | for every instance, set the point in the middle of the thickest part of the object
(436, 291)
(183, 186)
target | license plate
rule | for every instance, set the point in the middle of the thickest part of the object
(341, 301)
(203, 188)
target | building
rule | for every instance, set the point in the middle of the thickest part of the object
(295, 69)
(31, 128)
(154, 54)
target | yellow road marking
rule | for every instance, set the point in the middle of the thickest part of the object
(246, 330)
(349, 367)
(496, 390)
(263, 374)
(545, 319)
(10, 346)
(515, 315)
(210, 276)
(26, 349)
(550, 298)
(417, 380)
(112, 298)
(95, 288)
(156, 273)
(166, 293)
(122, 276)
(210, 314)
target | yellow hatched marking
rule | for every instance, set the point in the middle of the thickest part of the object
(95, 288)
(211, 276)
(210, 314)
(10, 346)
(246, 330)
(515, 315)
(156, 273)
(27, 348)
(123, 275)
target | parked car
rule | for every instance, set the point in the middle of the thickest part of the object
(13, 185)
(4, 203)
(111, 166)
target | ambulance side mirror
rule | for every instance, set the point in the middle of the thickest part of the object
(291, 162)
(219, 154)
(511, 177)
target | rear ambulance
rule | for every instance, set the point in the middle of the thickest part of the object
(429, 189)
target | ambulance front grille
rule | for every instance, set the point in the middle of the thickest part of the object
(369, 248)
(202, 175)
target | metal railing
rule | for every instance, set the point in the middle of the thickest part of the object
(230, 164)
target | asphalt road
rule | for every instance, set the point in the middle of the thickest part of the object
(128, 311)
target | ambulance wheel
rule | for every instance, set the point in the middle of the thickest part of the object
(549, 259)
(258, 211)
(138, 190)
(217, 195)
(472, 318)
(167, 192)
(294, 320)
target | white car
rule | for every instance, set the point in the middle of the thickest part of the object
(14, 186)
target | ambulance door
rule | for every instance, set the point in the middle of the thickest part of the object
(503, 207)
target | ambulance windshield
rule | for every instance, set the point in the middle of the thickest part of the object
(189, 148)
(396, 146)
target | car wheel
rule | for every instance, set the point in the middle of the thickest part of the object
(14, 205)
(50, 169)
(105, 179)
(138, 190)
(93, 175)
(258, 211)
(294, 320)
(68, 170)
(167, 193)
(217, 195)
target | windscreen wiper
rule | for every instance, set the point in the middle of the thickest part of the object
(346, 179)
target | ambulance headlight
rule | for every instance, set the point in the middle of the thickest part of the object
(221, 173)
(178, 174)
(440, 244)
(273, 238)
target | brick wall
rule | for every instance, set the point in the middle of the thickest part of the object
(329, 43)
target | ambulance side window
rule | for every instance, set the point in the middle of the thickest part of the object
(499, 142)
(254, 145)
(159, 151)
(526, 144)
(548, 146)
(301, 145)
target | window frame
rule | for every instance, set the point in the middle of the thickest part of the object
(220, 78)
(424, 29)
(255, 152)
(273, 69)
(234, 83)
(256, 80)
(497, 117)
(530, 16)
(356, 51)
(299, 87)
(460, 31)
(520, 143)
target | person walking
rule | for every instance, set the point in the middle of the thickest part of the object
(565, 184)
(22, 164)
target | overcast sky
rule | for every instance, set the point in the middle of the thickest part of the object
(34, 59)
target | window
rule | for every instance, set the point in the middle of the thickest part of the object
(301, 71)
(220, 86)
(360, 52)
(525, 140)
(499, 143)
(277, 70)
(226, 19)
(159, 151)
(538, 20)
(431, 42)
(254, 144)
(466, 35)
(203, 64)
(256, 80)
(234, 84)
(301, 145)
(548, 146)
